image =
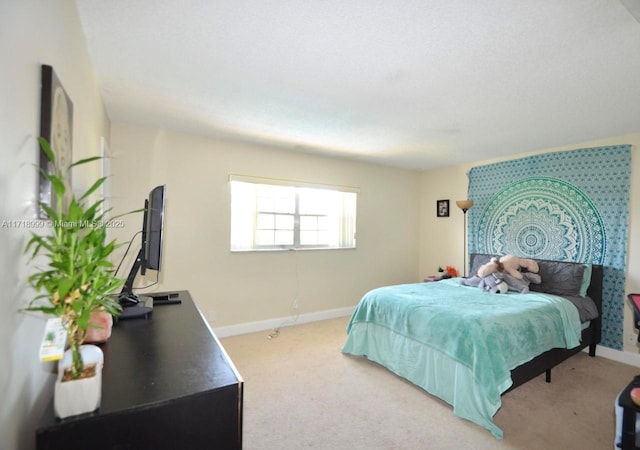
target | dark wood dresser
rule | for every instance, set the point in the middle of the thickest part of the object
(167, 384)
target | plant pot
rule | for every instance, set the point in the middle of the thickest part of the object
(83, 395)
(104, 321)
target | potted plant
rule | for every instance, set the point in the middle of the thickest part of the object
(78, 277)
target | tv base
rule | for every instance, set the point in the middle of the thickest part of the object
(143, 308)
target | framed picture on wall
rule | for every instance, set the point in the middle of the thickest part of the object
(442, 208)
(56, 126)
(106, 174)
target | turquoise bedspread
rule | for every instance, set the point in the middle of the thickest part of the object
(489, 334)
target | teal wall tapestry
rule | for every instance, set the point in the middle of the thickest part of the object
(567, 206)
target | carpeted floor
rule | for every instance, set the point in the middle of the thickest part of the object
(302, 392)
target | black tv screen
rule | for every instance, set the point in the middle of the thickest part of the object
(153, 231)
(149, 257)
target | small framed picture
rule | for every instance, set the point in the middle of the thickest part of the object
(442, 208)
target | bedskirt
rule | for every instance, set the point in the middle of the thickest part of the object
(451, 381)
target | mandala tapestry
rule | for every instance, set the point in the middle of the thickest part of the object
(567, 206)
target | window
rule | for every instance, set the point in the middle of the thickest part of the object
(278, 214)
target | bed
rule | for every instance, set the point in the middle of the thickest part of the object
(467, 346)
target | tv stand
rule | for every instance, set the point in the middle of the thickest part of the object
(167, 383)
(138, 306)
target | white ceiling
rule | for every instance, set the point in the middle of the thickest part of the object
(407, 83)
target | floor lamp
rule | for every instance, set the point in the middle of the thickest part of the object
(464, 205)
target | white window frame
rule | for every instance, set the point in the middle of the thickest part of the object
(245, 212)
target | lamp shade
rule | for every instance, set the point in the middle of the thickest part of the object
(464, 204)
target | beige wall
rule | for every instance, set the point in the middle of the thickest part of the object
(236, 288)
(441, 240)
(32, 33)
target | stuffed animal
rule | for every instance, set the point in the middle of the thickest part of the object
(471, 281)
(483, 271)
(494, 283)
(493, 266)
(522, 285)
(488, 277)
(512, 265)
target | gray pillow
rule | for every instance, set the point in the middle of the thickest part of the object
(559, 278)
(478, 259)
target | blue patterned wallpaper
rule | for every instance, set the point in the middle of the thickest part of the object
(568, 206)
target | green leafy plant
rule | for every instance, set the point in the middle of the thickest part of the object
(79, 276)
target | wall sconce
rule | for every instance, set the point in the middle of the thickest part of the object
(464, 205)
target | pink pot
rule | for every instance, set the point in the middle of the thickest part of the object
(102, 331)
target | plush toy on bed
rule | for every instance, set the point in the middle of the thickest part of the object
(488, 277)
(522, 286)
(484, 270)
(512, 265)
(494, 283)
(493, 266)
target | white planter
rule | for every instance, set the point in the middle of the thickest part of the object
(83, 395)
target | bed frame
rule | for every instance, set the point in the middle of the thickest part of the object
(590, 338)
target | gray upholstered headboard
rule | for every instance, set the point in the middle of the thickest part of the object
(557, 276)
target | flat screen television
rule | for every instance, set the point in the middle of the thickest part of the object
(153, 223)
(149, 256)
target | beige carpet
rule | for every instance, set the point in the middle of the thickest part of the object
(302, 392)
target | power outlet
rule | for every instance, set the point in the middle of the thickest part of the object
(211, 316)
(295, 305)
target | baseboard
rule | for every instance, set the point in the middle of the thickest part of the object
(633, 359)
(270, 324)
